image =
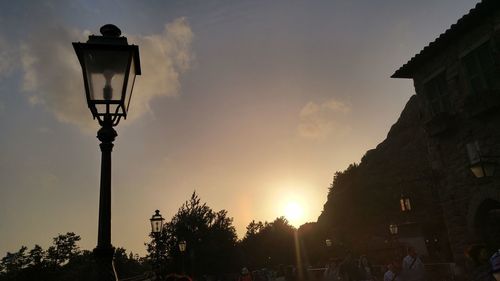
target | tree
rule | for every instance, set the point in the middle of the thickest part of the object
(64, 248)
(268, 244)
(63, 261)
(36, 256)
(14, 262)
(253, 228)
(127, 266)
(210, 237)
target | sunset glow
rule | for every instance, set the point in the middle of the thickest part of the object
(252, 104)
(294, 213)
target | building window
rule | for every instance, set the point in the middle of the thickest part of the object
(436, 92)
(481, 70)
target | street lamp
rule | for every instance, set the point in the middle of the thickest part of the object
(156, 228)
(483, 168)
(405, 203)
(182, 249)
(109, 65)
(328, 242)
(156, 223)
(182, 246)
(393, 229)
(480, 165)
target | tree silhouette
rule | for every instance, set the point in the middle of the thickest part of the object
(210, 237)
(266, 244)
(12, 263)
(64, 248)
(62, 261)
(36, 256)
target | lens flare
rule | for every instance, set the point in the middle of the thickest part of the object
(294, 213)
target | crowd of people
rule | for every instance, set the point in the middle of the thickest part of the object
(411, 268)
(480, 267)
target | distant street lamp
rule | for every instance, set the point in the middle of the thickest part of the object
(405, 203)
(109, 65)
(182, 249)
(480, 165)
(483, 168)
(182, 246)
(156, 223)
(393, 229)
(328, 242)
(156, 228)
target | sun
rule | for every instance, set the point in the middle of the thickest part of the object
(294, 213)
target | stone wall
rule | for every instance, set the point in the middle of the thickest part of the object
(471, 118)
(424, 156)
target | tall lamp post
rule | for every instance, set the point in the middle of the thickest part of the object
(156, 227)
(182, 249)
(109, 65)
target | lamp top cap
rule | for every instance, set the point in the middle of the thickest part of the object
(110, 30)
(157, 212)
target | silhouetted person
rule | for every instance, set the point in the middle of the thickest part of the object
(348, 268)
(290, 273)
(245, 275)
(332, 272)
(365, 269)
(495, 265)
(412, 268)
(280, 275)
(477, 264)
(391, 274)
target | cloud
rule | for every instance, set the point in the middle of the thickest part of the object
(317, 121)
(52, 75)
(7, 57)
(164, 57)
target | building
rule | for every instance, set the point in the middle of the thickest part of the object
(457, 84)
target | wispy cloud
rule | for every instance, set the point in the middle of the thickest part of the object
(7, 57)
(52, 76)
(319, 120)
(164, 57)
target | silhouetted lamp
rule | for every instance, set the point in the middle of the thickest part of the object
(480, 166)
(405, 203)
(328, 242)
(483, 169)
(393, 229)
(156, 222)
(109, 66)
(182, 246)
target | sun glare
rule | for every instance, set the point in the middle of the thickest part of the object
(294, 213)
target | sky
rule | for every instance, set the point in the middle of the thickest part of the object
(252, 104)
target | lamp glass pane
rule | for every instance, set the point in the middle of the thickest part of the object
(402, 204)
(105, 72)
(407, 204)
(182, 246)
(477, 170)
(155, 226)
(130, 84)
